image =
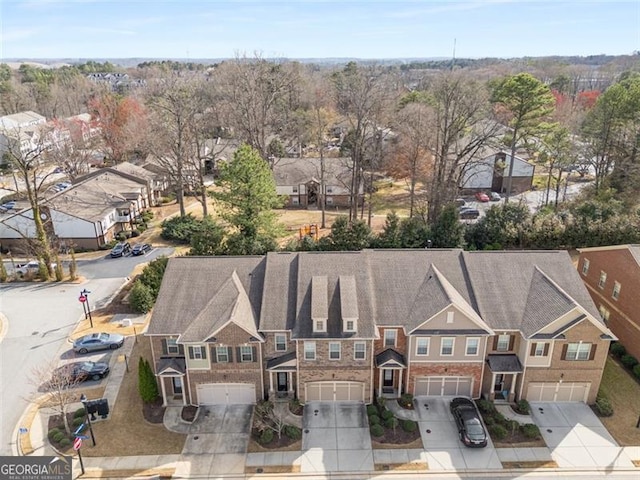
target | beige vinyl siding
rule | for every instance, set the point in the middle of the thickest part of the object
(459, 350)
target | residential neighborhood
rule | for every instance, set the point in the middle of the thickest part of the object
(319, 240)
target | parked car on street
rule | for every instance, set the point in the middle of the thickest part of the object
(140, 249)
(120, 250)
(495, 197)
(10, 205)
(468, 213)
(460, 202)
(482, 197)
(470, 428)
(32, 267)
(98, 341)
(79, 372)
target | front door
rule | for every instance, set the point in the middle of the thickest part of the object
(177, 385)
(387, 379)
(283, 380)
(498, 387)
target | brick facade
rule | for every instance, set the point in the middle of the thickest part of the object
(401, 341)
(318, 374)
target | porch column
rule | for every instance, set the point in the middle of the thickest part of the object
(400, 384)
(380, 383)
(492, 394)
(270, 381)
(290, 381)
(512, 388)
(164, 392)
(184, 391)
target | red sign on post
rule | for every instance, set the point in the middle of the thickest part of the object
(77, 443)
(82, 299)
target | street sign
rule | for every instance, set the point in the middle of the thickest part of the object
(23, 430)
(83, 437)
(79, 429)
(77, 443)
(82, 298)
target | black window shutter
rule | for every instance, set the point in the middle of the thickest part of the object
(190, 353)
(164, 346)
(511, 341)
(214, 357)
(239, 354)
(564, 352)
(181, 350)
(533, 349)
(495, 342)
(546, 349)
(230, 354)
(254, 357)
(204, 352)
(592, 353)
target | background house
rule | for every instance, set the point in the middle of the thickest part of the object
(349, 326)
(491, 171)
(299, 180)
(612, 276)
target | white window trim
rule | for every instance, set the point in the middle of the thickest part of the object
(453, 346)
(603, 279)
(578, 351)
(339, 351)
(466, 347)
(197, 350)
(304, 353)
(242, 354)
(604, 313)
(541, 353)
(226, 354)
(355, 351)
(418, 343)
(172, 343)
(346, 326)
(585, 266)
(506, 349)
(395, 337)
(616, 290)
(324, 325)
(281, 335)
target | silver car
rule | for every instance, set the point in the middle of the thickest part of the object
(98, 341)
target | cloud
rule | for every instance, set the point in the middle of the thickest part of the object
(12, 35)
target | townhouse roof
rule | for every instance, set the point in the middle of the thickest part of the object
(274, 363)
(190, 283)
(296, 171)
(502, 290)
(171, 365)
(20, 119)
(389, 357)
(504, 363)
(95, 196)
(134, 170)
(634, 249)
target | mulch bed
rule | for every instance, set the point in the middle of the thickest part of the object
(282, 443)
(296, 408)
(153, 412)
(531, 464)
(55, 421)
(406, 406)
(189, 413)
(397, 437)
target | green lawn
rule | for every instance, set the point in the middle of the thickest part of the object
(624, 393)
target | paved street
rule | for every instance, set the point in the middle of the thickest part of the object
(38, 320)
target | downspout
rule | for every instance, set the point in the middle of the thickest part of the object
(261, 372)
(484, 363)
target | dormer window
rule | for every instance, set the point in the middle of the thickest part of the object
(350, 326)
(320, 326)
(319, 303)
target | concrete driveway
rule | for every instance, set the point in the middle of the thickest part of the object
(217, 441)
(335, 438)
(576, 437)
(444, 450)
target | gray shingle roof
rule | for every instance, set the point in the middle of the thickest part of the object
(277, 361)
(504, 363)
(168, 365)
(189, 284)
(390, 355)
(279, 299)
(296, 171)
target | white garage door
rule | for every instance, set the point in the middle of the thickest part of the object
(226, 393)
(444, 386)
(334, 392)
(558, 392)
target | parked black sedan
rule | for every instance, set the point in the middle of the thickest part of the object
(79, 372)
(470, 428)
(140, 249)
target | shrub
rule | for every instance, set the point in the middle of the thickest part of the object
(56, 437)
(147, 385)
(295, 406)
(386, 414)
(489, 420)
(121, 237)
(141, 297)
(603, 406)
(617, 350)
(629, 361)
(135, 233)
(407, 400)
(374, 420)
(485, 406)
(636, 371)
(372, 410)
(53, 432)
(530, 431)
(381, 401)
(377, 430)
(498, 432)
(409, 426)
(266, 437)
(293, 432)
(180, 229)
(500, 420)
(77, 421)
(392, 423)
(64, 442)
(79, 413)
(523, 407)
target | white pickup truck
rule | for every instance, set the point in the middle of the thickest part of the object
(31, 267)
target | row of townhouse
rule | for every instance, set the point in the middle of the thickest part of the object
(350, 326)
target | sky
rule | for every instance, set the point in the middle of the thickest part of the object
(367, 29)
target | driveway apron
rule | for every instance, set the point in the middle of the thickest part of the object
(576, 437)
(217, 441)
(335, 438)
(440, 439)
